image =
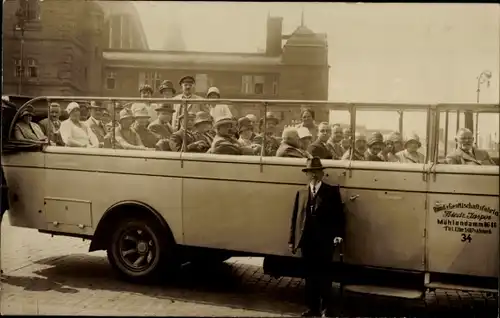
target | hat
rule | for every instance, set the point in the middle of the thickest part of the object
(202, 117)
(165, 107)
(270, 116)
(28, 110)
(125, 113)
(141, 113)
(244, 123)
(212, 90)
(304, 132)
(395, 137)
(413, 137)
(94, 104)
(166, 84)
(375, 138)
(186, 78)
(53, 104)
(312, 164)
(136, 106)
(190, 115)
(252, 117)
(72, 106)
(223, 121)
(146, 87)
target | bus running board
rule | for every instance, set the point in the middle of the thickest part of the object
(439, 285)
(385, 291)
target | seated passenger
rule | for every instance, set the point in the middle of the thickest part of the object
(26, 130)
(126, 137)
(466, 154)
(225, 144)
(245, 130)
(272, 143)
(307, 120)
(318, 148)
(217, 110)
(95, 122)
(346, 140)
(393, 145)
(254, 120)
(201, 131)
(161, 127)
(84, 112)
(410, 154)
(76, 133)
(305, 138)
(359, 149)
(375, 144)
(140, 126)
(106, 118)
(51, 125)
(334, 143)
(290, 145)
(177, 138)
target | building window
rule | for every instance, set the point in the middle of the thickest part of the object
(18, 71)
(201, 83)
(111, 80)
(252, 84)
(150, 78)
(32, 68)
(275, 87)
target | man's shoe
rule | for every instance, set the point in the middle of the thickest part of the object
(311, 313)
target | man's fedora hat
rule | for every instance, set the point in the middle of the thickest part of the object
(313, 164)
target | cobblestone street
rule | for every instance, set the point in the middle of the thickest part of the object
(44, 275)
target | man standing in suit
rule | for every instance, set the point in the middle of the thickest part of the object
(319, 147)
(466, 154)
(317, 225)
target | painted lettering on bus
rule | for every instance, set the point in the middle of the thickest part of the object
(477, 207)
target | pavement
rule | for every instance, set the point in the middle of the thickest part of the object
(57, 276)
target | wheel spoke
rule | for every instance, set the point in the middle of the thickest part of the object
(128, 252)
(139, 260)
(130, 238)
(150, 257)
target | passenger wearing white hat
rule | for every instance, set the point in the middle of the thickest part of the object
(76, 133)
(305, 137)
(290, 144)
(217, 110)
(411, 154)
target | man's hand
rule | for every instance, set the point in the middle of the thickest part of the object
(291, 249)
(337, 240)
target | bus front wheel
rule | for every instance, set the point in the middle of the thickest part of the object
(139, 250)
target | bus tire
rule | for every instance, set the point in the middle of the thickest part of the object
(139, 250)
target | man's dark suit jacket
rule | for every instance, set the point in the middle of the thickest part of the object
(329, 210)
(319, 149)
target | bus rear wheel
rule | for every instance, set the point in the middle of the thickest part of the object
(139, 250)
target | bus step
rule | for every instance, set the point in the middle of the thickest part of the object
(385, 291)
(439, 285)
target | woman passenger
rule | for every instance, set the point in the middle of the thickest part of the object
(410, 154)
(125, 136)
(74, 132)
(307, 115)
(26, 130)
(393, 145)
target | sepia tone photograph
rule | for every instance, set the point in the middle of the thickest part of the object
(250, 159)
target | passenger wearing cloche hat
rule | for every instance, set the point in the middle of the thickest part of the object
(126, 137)
(245, 131)
(359, 149)
(76, 133)
(167, 89)
(411, 154)
(224, 143)
(317, 226)
(177, 138)
(271, 143)
(27, 130)
(187, 85)
(393, 145)
(140, 126)
(217, 110)
(375, 145)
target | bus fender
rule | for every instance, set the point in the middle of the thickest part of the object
(120, 211)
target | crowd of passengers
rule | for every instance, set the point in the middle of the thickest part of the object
(211, 128)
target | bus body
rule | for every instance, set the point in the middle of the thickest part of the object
(434, 221)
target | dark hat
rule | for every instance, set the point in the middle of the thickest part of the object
(165, 107)
(29, 110)
(375, 138)
(202, 117)
(313, 164)
(166, 84)
(270, 117)
(244, 122)
(94, 104)
(146, 87)
(186, 78)
(190, 115)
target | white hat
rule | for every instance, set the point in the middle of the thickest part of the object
(71, 107)
(137, 106)
(213, 89)
(252, 117)
(304, 132)
(5, 98)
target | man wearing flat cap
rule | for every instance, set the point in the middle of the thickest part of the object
(317, 225)
(187, 84)
(375, 145)
(224, 142)
(177, 138)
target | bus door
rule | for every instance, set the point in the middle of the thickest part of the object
(463, 205)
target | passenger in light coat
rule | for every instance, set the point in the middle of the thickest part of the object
(411, 154)
(245, 132)
(76, 133)
(307, 116)
(466, 154)
(187, 84)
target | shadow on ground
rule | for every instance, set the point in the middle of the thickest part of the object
(239, 286)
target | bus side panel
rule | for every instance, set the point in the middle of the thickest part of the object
(463, 228)
(24, 175)
(90, 185)
(386, 218)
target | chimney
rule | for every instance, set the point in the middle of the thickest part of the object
(274, 34)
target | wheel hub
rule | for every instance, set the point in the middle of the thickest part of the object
(142, 247)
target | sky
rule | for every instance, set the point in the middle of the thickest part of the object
(400, 53)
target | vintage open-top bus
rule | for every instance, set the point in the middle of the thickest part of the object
(410, 226)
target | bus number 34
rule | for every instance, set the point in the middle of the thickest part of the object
(466, 238)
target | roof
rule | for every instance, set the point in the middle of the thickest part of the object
(303, 36)
(200, 58)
